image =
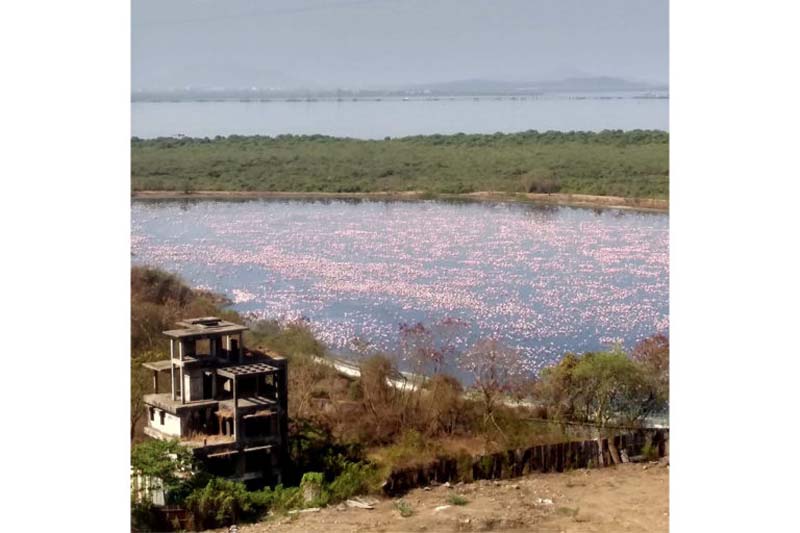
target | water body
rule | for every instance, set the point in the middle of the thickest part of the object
(372, 119)
(544, 279)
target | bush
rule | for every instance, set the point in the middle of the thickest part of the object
(383, 405)
(314, 478)
(443, 405)
(168, 461)
(314, 449)
(293, 338)
(650, 452)
(221, 503)
(543, 185)
(412, 448)
(457, 499)
(277, 499)
(357, 478)
(403, 508)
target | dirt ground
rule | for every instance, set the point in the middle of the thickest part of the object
(624, 498)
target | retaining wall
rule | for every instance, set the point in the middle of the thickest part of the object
(518, 462)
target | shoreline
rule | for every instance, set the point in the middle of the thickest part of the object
(573, 200)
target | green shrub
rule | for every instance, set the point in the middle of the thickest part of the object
(650, 452)
(168, 461)
(403, 508)
(413, 448)
(314, 478)
(355, 479)
(277, 499)
(220, 503)
(294, 338)
(457, 499)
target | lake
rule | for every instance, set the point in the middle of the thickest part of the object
(544, 279)
(371, 119)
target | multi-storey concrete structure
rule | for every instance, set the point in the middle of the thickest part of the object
(227, 403)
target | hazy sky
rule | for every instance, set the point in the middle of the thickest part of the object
(374, 43)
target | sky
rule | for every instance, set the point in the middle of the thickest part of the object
(327, 44)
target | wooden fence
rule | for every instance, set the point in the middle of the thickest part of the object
(543, 458)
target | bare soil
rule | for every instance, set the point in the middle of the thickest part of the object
(624, 498)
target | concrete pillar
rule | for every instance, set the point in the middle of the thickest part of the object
(235, 413)
(241, 347)
(172, 367)
(183, 393)
(180, 358)
(155, 381)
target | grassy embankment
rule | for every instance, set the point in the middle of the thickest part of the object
(632, 164)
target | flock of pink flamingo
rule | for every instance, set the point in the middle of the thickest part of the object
(548, 281)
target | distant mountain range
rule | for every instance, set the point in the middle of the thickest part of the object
(574, 84)
(474, 87)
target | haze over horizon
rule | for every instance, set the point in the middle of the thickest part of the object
(366, 44)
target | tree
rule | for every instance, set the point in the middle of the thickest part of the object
(603, 380)
(167, 461)
(495, 369)
(653, 353)
(304, 375)
(139, 387)
(383, 406)
(430, 349)
(442, 404)
(556, 388)
(600, 387)
(611, 386)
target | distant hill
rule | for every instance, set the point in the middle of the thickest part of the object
(574, 84)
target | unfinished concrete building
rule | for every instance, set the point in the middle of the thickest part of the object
(227, 403)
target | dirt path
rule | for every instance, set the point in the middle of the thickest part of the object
(626, 498)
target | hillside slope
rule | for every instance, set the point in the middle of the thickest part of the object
(625, 498)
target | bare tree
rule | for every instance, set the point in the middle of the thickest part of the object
(654, 353)
(382, 406)
(496, 369)
(429, 349)
(303, 377)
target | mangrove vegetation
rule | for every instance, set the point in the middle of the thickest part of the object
(632, 164)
